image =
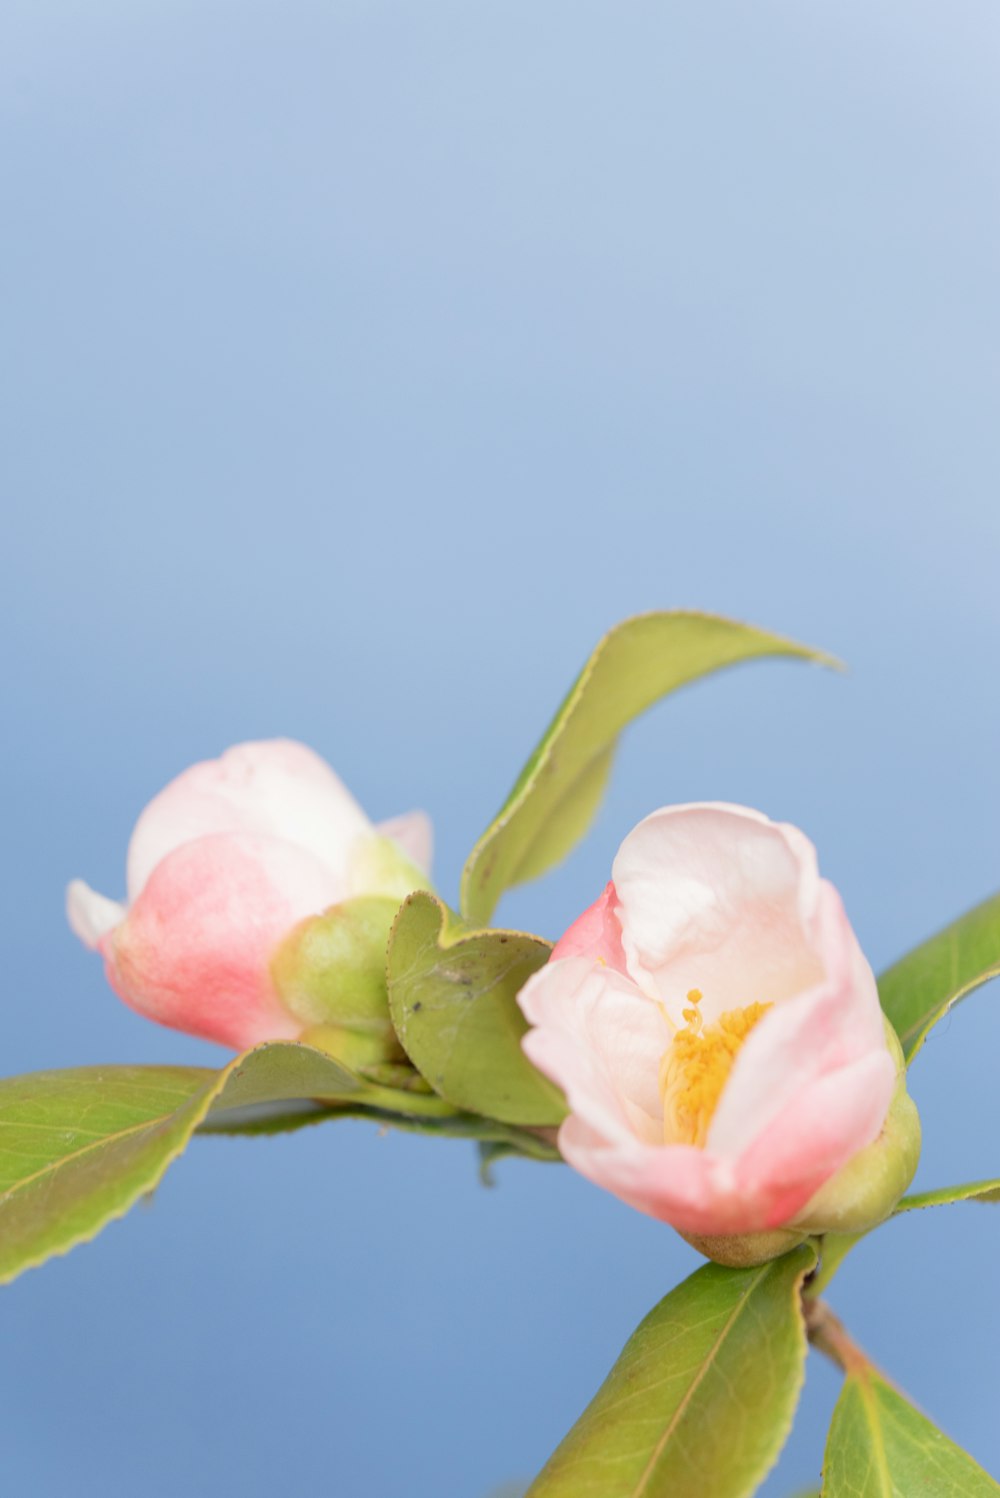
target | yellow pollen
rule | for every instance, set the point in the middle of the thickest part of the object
(696, 1066)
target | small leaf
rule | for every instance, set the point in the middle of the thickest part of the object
(78, 1148)
(559, 789)
(702, 1398)
(919, 990)
(972, 1191)
(880, 1446)
(453, 999)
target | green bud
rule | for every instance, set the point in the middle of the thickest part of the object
(330, 974)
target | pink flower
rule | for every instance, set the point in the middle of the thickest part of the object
(222, 866)
(717, 1032)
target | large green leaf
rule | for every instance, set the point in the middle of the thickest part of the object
(453, 999)
(78, 1148)
(702, 1398)
(560, 787)
(879, 1446)
(920, 989)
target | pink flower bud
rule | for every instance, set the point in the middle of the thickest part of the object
(717, 1033)
(222, 865)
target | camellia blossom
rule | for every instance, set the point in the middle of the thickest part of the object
(717, 1032)
(222, 866)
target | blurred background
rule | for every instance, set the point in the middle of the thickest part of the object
(361, 363)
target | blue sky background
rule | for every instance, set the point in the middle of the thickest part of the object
(360, 364)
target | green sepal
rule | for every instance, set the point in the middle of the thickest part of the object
(745, 1250)
(835, 1247)
(330, 974)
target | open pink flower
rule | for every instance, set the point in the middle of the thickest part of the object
(717, 1032)
(222, 865)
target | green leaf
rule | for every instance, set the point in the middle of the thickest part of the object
(972, 1191)
(879, 1446)
(559, 789)
(453, 999)
(702, 1398)
(78, 1148)
(920, 989)
(496, 1140)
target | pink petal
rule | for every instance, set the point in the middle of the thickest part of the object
(277, 788)
(698, 1192)
(596, 934)
(195, 950)
(822, 1127)
(599, 1039)
(675, 1183)
(413, 833)
(803, 1039)
(720, 899)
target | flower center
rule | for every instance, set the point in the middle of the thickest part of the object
(696, 1066)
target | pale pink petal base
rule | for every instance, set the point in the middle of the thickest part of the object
(413, 834)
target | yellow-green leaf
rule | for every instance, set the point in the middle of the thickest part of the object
(558, 791)
(702, 1398)
(880, 1446)
(920, 989)
(78, 1148)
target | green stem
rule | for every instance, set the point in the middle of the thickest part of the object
(827, 1333)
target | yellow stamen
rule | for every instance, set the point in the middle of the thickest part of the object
(696, 1066)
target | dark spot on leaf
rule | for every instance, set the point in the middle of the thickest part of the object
(417, 1006)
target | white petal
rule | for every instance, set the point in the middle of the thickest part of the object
(275, 788)
(717, 898)
(91, 915)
